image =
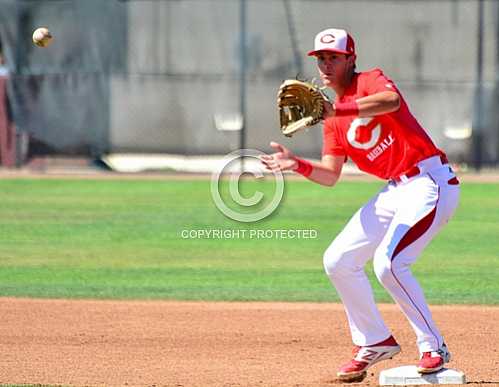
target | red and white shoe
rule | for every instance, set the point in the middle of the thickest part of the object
(365, 357)
(434, 361)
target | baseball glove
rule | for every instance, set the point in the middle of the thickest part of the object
(300, 105)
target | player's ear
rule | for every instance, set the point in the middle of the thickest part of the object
(351, 59)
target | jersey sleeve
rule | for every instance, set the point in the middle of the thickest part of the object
(377, 82)
(331, 144)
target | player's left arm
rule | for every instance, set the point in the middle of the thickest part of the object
(375, 104)
(379, 103)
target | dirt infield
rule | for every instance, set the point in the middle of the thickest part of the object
(160, 343)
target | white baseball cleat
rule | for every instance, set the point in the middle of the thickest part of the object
(365, 357)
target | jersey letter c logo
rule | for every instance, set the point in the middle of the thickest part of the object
(364, 133)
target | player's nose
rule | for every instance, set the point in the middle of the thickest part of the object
(327, 65)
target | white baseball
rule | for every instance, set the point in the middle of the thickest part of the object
(42, 37)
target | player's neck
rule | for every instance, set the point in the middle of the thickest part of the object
(340, 89)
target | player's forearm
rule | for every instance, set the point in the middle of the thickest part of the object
(323, 175)
(379, 103)
(317, 172)
(371, 105)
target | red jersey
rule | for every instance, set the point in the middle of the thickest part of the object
(385, 145)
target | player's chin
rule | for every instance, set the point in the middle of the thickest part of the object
(327, 81)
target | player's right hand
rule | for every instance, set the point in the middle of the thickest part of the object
(282, 160)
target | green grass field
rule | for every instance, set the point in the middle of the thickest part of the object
(123, 239)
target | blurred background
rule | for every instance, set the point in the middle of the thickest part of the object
(192, 78)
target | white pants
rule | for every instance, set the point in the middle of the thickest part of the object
(392, 228)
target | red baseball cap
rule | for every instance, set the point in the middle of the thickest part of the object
(334, 40)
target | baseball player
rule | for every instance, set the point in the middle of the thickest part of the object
(370, 123)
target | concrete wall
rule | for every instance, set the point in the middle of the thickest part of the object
(183, 65)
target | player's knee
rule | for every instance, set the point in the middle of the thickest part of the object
(386, 269)
(335, 262)
(383, 269)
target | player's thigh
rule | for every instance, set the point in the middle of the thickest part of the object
(358, 240)
(424, 209)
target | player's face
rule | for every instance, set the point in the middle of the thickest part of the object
(333, 68)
